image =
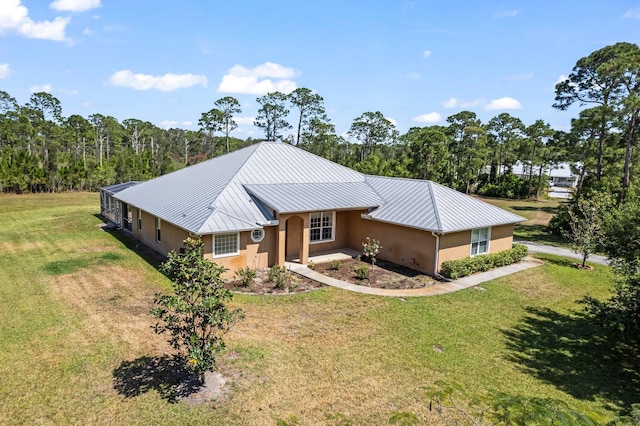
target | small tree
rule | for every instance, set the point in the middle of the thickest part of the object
(370, 249)
(196, 316)
(585, 226)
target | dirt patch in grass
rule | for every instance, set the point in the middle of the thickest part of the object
(115, 301)
(384, 275)
(293, 283)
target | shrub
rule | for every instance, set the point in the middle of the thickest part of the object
(455, 269)
(311, 265)
(334, 265)
(280, 276)
(362, 271)
(245, 276)
(196, 314)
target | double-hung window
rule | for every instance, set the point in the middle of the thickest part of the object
(158, 226)
(321, 227)
(226, 244)
(139, 219)
(479, 241)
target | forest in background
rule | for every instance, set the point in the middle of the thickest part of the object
(41, 150)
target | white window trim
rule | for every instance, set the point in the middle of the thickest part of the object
(257, 240)
(158, 230)
(213, 246)
(333, 228)
(488, 228)
(139, 220)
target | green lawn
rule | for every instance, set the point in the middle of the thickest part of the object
(538, 213)
(76, 344)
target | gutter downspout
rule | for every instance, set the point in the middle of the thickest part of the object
(435, 266)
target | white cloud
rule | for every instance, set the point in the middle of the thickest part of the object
(432, 117)
(413, 76)
(75, 5)
(168, 124)
(15, 17)
(392, 121)
(5, 71)
(507, 13)
(41, 88)
(459, 103)
(632, 13)
(87, 32)
(165, 83)
(426, 53)
(257, 81)
(186, 123)
(503, 103)
(561, 79)
(244, 120)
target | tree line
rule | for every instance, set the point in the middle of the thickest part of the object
(41, 150)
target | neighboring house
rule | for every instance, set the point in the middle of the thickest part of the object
(559, 174)
(272, 202)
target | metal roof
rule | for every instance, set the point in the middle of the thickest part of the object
(239, 190)
(427, 205)
(310, 197)
(114, 189)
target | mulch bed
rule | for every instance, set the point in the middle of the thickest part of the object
(385, 275)
(262, 285)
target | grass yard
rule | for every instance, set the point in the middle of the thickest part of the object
(76, 344)
(538, 214)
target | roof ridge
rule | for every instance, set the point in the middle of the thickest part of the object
(436, 208)
(235, 174)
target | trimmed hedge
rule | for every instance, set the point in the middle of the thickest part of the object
(470, 265)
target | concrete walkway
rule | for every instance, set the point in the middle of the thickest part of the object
(440, 288)
(559, 251)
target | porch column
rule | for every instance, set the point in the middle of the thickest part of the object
(304, 248)
(282, 240)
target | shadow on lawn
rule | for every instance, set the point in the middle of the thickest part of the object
(576, 356)
(534, 208)
(536, 234)
(166, 375)
(152, 257)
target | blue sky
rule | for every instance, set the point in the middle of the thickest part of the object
(418, 62)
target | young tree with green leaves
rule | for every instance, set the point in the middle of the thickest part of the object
(585, 225)
(196, 315)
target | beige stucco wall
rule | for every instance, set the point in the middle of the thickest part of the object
(171, 236)
(405, 246)
(252, 254)
(458, 244)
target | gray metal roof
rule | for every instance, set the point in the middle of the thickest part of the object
(310, 197)
(238, 191)
(114, 189)
(427, 205)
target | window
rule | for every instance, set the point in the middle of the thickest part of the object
(257, 235)
(479, 241)
(226, 244)
(139, 219)
(158, 223)
(321, 226)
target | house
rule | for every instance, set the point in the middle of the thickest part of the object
(272, 202)
(559, 174)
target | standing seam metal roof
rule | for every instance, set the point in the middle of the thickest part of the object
(237, 191)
